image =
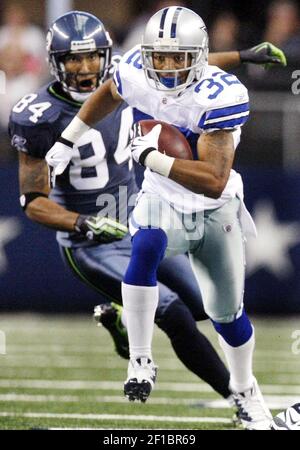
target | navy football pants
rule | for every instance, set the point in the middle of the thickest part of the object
(103, 268)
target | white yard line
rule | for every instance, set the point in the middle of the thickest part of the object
(82, 361)
(273, 401)
(109, 429)
(127, 417)
(117, 386)
(76, 362)
(281, 371)
(99, 348)
(93, 385)
(32, 348)
(47, 349)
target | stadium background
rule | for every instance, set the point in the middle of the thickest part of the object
(60, 371)
(32, 276)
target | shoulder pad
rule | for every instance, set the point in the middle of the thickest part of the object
(33, 140)
(219, 88)
(36, 108)
(131, 62)
(129, 70)
(223, 99)
(131, 54)
(116, 58)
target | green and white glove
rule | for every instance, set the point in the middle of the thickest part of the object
(264, 53)
(100, 229)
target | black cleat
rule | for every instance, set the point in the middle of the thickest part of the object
(137, 391)
(109, 316)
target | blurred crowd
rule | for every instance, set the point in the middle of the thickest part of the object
(23, 60)
(23, 54)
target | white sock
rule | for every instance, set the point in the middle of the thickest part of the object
(239, 360)
(123, 319)
(139, 304)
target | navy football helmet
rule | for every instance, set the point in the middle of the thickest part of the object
(77, 32)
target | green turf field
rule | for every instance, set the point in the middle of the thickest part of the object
(62, 372)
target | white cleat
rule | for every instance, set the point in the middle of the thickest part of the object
(141, 378)
(253, 413)
(236, 421)
(288, 419)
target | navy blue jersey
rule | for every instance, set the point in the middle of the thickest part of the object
(98, 177)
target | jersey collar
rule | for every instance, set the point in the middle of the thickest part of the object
(56, 90)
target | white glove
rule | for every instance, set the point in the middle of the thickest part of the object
(141, 145)
(58, 158)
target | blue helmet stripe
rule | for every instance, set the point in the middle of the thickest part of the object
(174, 22)
(162, 23)
(118, 82)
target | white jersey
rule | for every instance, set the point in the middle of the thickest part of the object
(218, 101)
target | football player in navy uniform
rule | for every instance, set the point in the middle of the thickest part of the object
(88, 205)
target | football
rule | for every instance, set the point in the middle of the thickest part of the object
(171, 141)
(288, 419)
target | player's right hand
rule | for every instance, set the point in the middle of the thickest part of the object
(100, 229)
(264, 53)
(141, 145)
(58, 158)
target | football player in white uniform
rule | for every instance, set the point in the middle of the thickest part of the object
(184, 206)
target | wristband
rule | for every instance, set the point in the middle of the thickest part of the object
(159, 163)
(75, 130)
(65, 142)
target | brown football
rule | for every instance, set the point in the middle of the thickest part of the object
(171, 141)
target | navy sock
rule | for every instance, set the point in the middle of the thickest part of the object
(235, 333)
(148, 248)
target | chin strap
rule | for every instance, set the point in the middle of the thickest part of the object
(169, 82)
(80, 97)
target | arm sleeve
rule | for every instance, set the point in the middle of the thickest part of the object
(33, 140)
(225, 118)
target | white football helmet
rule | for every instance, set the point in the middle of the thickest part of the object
(175, 30)
(288, 419)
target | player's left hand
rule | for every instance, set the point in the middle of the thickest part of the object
(264, 53)
(100, 229)
(141, 145)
